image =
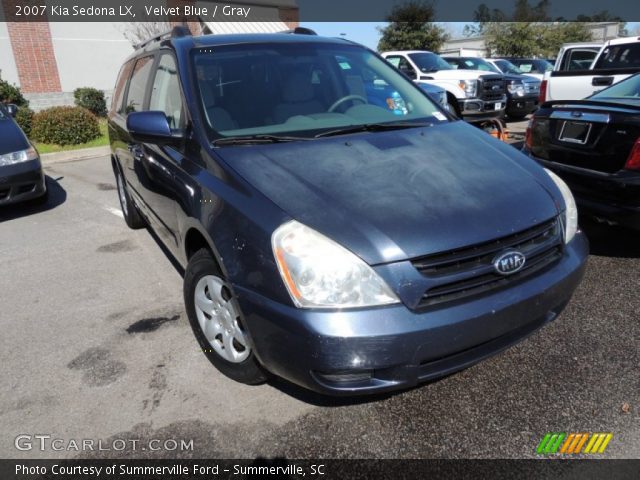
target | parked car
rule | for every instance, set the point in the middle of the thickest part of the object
(346, 246)
(576, 56)
(21, 176)
(616, 60)
(473, 96)
(536, 67)
(594, 145)
(522, 90)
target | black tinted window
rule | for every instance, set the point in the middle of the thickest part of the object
(135, 97)
(620, 56)
(118, 92)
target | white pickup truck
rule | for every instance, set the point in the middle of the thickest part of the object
(474, 95)
(616, 60)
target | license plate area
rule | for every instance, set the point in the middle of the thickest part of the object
(575, 132)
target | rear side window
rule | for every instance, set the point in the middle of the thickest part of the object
(118, 93)
(165, 94)
(620, 56)
(138, 84)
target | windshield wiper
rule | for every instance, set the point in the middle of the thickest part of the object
(372, 127)
(256, 139)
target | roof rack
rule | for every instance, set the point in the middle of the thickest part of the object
(300, 31)
(176, 32)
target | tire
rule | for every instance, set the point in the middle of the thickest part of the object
(215, 319)
(129, 210)
(41, 200)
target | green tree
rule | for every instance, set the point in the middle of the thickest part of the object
(532, 39)
(411, 27)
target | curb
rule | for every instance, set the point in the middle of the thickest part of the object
(74, 155)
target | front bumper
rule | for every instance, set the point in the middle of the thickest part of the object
(611, 196)
(21, 181)
(387, 348)
(477, 110)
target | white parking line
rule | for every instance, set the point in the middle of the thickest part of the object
(115, 211)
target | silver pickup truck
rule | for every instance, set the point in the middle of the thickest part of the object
(616, 60)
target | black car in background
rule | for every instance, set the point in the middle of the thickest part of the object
(536, 67)
(522, 90)
(594, 146)
(21, 176)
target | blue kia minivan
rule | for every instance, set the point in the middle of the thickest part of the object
(347, 244)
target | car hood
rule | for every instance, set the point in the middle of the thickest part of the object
(454, 74)
(401, 194)
(13, 140)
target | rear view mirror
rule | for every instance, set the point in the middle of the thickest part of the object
(151, 127)
(12, 109)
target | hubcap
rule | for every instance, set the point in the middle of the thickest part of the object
(218, 316)
(122, 194)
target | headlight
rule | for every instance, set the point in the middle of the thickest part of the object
(17, 157)
(516, 88)
(571, 211)
(319, 273)
(470, 87)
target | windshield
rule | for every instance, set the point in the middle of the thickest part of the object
(302, 89)
(533, 66)
(429, 62)
(507, 67)
(472, 64)
(2, 112)
(628, 89)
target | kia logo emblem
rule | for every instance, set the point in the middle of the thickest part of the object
(576, 114)
(495, 87)
(509, 262)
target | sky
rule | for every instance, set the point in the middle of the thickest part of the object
(367, 34)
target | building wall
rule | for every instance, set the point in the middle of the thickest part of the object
(89, 54)
(8, 69)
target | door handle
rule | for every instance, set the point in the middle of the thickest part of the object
(601, 81)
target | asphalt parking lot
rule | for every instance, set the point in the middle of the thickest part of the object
(96, 345)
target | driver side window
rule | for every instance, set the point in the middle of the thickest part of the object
(165, 94)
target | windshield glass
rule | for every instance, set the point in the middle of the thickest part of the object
(2, 112)
(628, 89)
(429, 62)
(472, 64)
(507, 67)
(302, 89)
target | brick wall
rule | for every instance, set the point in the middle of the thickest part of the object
(33, 51)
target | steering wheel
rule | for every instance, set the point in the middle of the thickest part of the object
(346, 98)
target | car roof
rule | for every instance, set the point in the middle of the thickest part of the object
(188, 41)
(619, 41)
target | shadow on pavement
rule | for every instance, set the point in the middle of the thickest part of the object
(57, 196)
(610, 240)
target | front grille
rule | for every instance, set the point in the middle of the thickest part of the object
(469, 271)
(491, 87)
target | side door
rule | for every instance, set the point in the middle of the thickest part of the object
(130, 152)
(162, 163)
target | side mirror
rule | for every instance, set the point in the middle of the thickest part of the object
(12, 109)
(151, 127)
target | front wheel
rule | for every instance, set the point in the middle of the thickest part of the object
(214, 315)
